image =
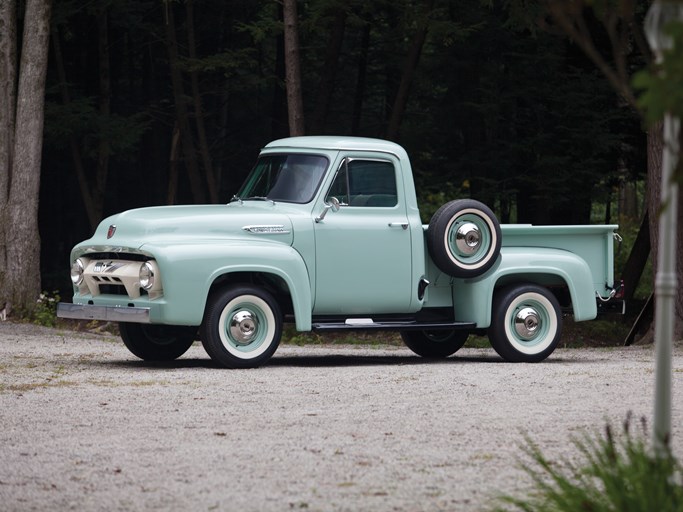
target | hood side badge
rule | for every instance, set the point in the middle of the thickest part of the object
(275, 229)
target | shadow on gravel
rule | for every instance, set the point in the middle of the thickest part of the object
(305, 361)
(364, 360)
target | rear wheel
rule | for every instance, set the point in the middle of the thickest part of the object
(157, 342)
(526, 323)
(242, 327)
(434, 344)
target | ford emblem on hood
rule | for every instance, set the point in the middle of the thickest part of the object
(111, 231)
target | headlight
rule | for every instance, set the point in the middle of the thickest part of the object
(146, 275)
(77, 272)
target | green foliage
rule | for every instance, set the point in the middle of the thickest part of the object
(523, 119)
(45, 311)
(81, 120)
(662, 86)
(615, 474)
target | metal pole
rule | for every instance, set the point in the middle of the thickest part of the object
(665, 287)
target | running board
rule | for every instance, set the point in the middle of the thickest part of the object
(367, 324)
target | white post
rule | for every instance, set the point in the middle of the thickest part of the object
(660, 13)
(665, 286)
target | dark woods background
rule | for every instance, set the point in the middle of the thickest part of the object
(152, 102)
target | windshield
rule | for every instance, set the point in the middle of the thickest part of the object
(290, 178)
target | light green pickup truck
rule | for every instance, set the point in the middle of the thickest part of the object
(326, 233)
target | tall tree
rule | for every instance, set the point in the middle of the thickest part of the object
(181, 109)
(328, 75)
(8, 91)
(295, 103)
(198, 108)
(409, 69)
(20, 248)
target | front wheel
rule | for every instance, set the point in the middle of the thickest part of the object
(434, 344)
(526, 323)
(157, 342)
(242, 327)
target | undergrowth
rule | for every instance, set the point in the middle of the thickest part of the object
(614, 473)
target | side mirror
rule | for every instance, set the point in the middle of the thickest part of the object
(331, 204)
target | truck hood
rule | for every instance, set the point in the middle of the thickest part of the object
(185, 224)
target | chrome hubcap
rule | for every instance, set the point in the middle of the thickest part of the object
(468, 238)
(243, 327)
(527, 322)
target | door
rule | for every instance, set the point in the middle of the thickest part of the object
(363, 250)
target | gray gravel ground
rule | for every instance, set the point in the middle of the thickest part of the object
(86, 426)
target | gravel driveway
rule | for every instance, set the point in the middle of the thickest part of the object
(86, 426)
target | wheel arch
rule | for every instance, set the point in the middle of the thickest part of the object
(291, 298)
(192, 271)
(564, 273)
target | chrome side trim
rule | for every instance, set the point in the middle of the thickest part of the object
(106, 313)
(268, 229)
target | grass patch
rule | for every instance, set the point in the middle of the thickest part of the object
(594, 333)
(22, 388)
(291, 336)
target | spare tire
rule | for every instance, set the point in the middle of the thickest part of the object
(464, 238)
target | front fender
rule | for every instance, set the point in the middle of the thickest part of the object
(188, 271)
(473, 298)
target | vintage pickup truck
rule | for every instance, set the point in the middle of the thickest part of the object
(326, 233)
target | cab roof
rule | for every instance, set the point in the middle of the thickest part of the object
(339, 143)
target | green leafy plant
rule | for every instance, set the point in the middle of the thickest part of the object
(614, 474)
(661, 87)
(45, 312)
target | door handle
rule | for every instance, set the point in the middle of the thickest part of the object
(403, 225)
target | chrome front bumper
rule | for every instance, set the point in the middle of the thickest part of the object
(106, 313)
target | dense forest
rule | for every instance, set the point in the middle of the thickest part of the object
(152, 102)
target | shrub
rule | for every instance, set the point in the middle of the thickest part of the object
(615, 475)
(45, 312)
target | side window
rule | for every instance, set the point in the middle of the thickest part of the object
(368, 183)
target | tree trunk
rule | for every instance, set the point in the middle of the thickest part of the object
(173, 168)
(329, 71)
(678, 324)
(295, 104)
(8, 101)
(86, 195)
(182, 116)
(279, 125)
(22, 280)
(361, 80)
(198, 110)
(103, 149)
(412, 60)
(655, 144)
(637, 259)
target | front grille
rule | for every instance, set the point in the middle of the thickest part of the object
(118, 276)
(107, 279)
(112, 289)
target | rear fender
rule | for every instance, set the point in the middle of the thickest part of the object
(473, 298)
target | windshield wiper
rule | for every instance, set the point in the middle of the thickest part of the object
(236, 198)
